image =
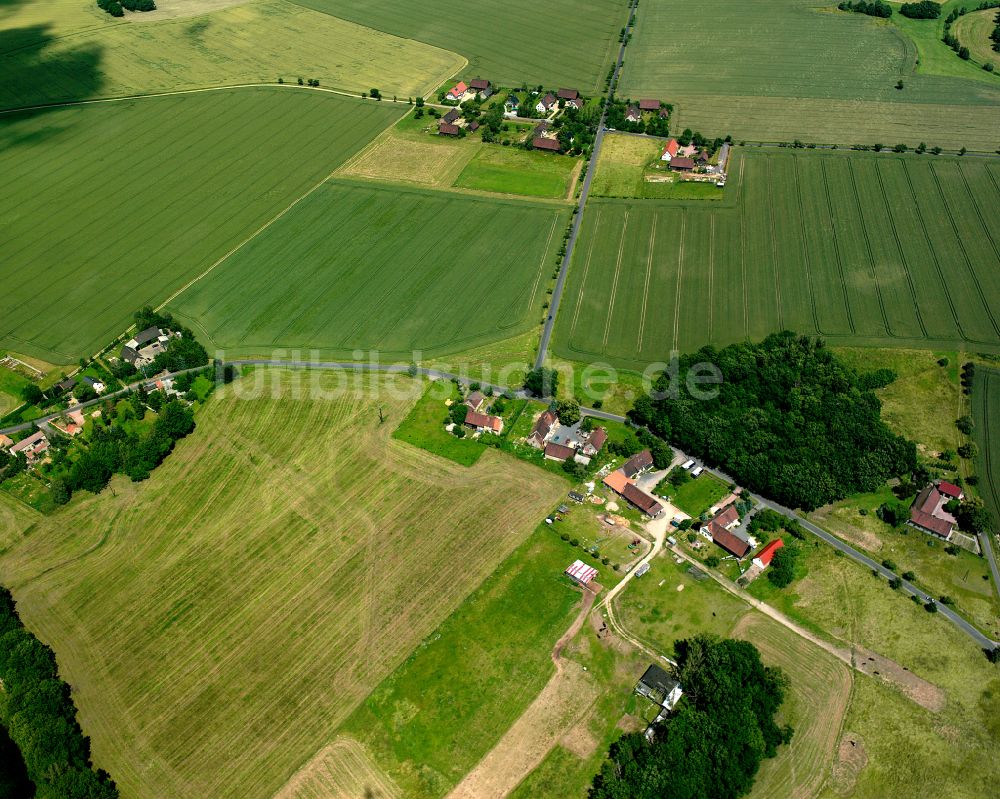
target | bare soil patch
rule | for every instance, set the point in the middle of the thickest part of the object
(176, 9)
(924, 693)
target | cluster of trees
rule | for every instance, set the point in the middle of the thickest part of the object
(114, 450)
(788, 420)
(995, 33)
(575, 128)
(781, 572)
(874, 9)
(653, 123)
(924, 9)
(714, 742)
(183, 353)
(116, 8)
(766, 521)
(48, 756)
(11, 465)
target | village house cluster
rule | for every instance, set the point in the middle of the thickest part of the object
(560, 442)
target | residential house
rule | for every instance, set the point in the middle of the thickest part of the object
(473, 126)
(546, 104)
(511, 104)
(558, 452)
(664, 112)
(726, 519)
(638, 463)
(33, 447)
(482, 87)
(549, 145)
(682, 164)
(457, 92)
(475, 400)
(142, 349)
(633, 114)
(445, 129)
(5, 441)
(734, 545)
(451, 117)
(619, 482)
(64, 385)
(928, 513)
(571, 98)
(763, 558)
(950, 490)
(542, 430)
(595, 441)
(483, 423)
(649, 105)
(94, 383)
(703, 157)
(580, 572)
(660, 688)
(669, 150)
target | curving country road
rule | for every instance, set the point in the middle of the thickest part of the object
(557, 292)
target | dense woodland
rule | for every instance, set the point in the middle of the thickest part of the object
(789, 421)
(44, 752)
(715, 739)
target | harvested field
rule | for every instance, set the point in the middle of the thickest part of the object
(89, 239)
(393, 270)
(282, 562)
(860, 249)
(342, 770)
(426, 162)
(815, 706)
(253, 43)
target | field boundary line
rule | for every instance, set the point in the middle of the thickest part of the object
(965, 253)
(868, 249)
(836, 248)
(645, 287)
(680, 275)
(240, 246)
(933, 252)
(804, 248)
(899, 248)
(541, 264)
(586, 269)
(614, 283)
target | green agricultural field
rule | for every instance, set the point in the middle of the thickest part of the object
(355, 267)
(570, 43)
(986, 414)
(778, 70)
(89, 236)
(25, 24)
(431, 720)
(871, 249)
(253, 43)
(282, 562)
(511, 170)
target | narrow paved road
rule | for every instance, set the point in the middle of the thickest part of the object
(557, 292)
(980, 639)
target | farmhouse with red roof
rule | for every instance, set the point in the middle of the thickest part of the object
(763, 558)
(669, 150)
(457, 92)
(928, 513)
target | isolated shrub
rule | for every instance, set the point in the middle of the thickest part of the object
(712, 561)
(909, 576)
(931, 606)
(946, 600)
(889, 564)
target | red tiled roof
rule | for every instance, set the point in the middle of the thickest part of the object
(728, 541)
(544, 423)
(727, 516)
(479, 83)
(458, 89)
(598, 437)
(548, 100)
(569, 94)
(540, 143)
(765, 555)
(444, 129)
(671, 148)
(649, 105)
(641, 500)
(949, 489)
(483, 420)
(558, 451)
(927, 500)
(616, 481)
(638, 462)
(931, 523)
(682, 162)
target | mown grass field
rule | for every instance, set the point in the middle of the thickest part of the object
(90, 236)
(281, 563)
(253, 43)
(510, 170)
(571, 43)
(986, 415)
(973, 30)
(861, 249)
(696, 496)
(433, 719)
(785, 69)
(355, 267)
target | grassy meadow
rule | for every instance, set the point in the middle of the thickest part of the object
(90, 237)
(571, 44)
(861, 249)
(253, 43)
(373, 268)
(510, 170)
(282, 562)
(973, 30)
(986, 415)
(784, 69)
